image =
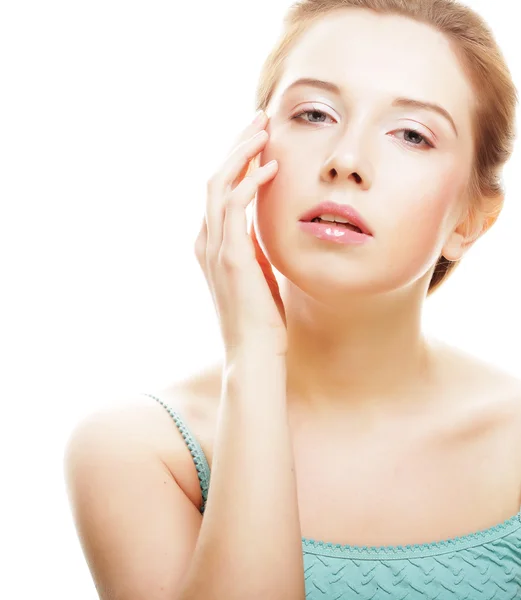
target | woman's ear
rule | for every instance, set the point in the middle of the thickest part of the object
(477, 221)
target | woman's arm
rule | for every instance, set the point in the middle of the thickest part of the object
(249, 546)
(136, 525)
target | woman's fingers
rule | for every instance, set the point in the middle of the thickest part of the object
(243, 297)
(216, 188)
(236, 246)
(224, 180)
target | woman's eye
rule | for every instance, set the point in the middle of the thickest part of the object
(316, 114)
(423, 142)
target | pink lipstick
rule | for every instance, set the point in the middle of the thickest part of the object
(339, 223)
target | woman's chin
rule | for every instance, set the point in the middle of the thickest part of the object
(318, 281)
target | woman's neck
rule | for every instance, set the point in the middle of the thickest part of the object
(368, 359)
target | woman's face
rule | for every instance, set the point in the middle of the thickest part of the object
(359, 150)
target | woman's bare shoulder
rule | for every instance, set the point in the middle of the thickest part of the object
(144, 422)
(488, 390)
(195, 398)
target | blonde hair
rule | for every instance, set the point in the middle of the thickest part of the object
(481, 59)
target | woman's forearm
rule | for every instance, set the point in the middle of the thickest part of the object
(249, 546)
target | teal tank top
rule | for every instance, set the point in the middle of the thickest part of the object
(484, 565)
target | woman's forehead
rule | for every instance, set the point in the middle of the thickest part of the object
(375, 55)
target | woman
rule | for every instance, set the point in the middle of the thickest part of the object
(350, 456)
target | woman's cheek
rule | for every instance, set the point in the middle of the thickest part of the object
(278, 187)
(417, 240)
(276, 206)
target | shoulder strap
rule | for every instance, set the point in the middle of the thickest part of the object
(201, 464)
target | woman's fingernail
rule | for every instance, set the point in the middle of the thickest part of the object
(259, 117)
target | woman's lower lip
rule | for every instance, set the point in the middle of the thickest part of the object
(334, 233)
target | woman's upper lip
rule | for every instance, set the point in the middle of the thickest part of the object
(341, 210)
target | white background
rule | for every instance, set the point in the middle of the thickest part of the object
(113, 115)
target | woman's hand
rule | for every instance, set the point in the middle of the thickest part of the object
(240, 278)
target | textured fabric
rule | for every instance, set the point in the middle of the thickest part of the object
(485, 565)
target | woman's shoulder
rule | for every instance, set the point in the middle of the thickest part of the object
(482, 397)
(145, 426)
(481, 378)
(195, 399)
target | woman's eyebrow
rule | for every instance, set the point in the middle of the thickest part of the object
(397, 102)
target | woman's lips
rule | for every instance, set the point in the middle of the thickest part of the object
(334, 232)
(341, 210)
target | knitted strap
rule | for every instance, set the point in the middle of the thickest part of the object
(201, 464)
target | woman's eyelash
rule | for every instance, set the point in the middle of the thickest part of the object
(312, 110)
(426, 140)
